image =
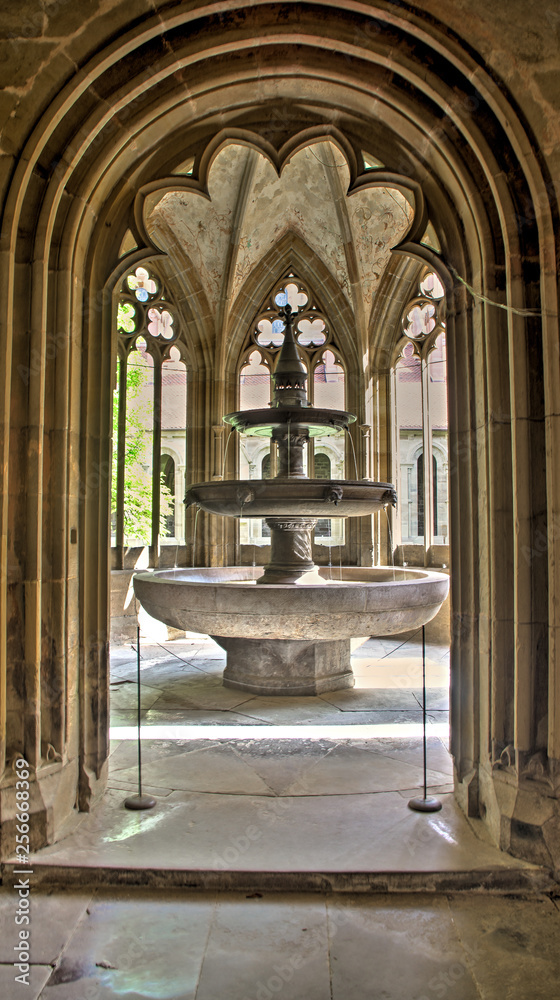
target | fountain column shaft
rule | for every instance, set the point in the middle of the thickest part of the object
(290, 549)
(290, 439)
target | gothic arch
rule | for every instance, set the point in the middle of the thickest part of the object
(441, 119)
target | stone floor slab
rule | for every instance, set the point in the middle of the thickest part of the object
(10, 990)
(347, 833)
(135, 947)
(216, 769)
(405, 949)
(266, 947)
(52, 920)
(515, 944)
(347, 770)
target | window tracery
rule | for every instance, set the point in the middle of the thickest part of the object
(325, 388)
(149, 416)
(420, 422)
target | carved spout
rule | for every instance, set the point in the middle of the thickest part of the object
(190, 499)
(333, 494)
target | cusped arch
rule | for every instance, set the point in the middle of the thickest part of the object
(290, 252)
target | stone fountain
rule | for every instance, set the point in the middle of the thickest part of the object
(287, 629)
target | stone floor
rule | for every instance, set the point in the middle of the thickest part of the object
(262, 794)
(178, 945)
(249, 784)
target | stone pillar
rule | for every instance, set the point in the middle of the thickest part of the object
(290, 549)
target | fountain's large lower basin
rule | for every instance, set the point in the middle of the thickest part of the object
(358, 601)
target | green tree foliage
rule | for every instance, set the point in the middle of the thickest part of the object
(137, 457)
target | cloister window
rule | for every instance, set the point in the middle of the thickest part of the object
(149, 418)
(325, 388)
(420, 422)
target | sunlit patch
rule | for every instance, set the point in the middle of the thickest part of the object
(412, 730)
(443, 831)
(135, 823)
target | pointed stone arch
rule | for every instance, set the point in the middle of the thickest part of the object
(454, 129)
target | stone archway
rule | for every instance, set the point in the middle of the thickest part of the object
(161, 92)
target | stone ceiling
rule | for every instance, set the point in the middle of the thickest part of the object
(251, 209)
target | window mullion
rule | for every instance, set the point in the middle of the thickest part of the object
(427, 451)
(121, 455)
(156, 464)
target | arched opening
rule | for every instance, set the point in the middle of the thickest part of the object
(448, 135)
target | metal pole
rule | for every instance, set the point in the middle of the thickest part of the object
(427, 803)
(139, 801)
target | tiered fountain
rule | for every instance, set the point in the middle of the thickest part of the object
(290, 634)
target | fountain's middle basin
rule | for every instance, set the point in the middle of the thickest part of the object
(358, 601)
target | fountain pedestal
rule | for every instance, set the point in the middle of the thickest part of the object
(287, 666)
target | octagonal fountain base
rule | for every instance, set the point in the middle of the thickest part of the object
(287, 666)
(291, 638)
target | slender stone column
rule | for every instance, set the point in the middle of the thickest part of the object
(290, 549)
(290, 439)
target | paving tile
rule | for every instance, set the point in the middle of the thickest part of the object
(513, 942)
(437, 699)
(367, 832)
(53, 917)
(398, 948)
(280, 768)
(124, 696)
(215, 769)
(135, 946)
(289, 711)
(277, 945)
(200, 691)
(198, 717)
(373, 698)
(125, 754)
(131, 787)
(10, 990)
(403, 672)
(411, 751)
(127, 717)
(347, 770)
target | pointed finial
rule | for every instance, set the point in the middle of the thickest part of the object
(290, 373)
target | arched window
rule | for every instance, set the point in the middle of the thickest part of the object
(322, 466)
(325, 388)
(168, 484)
(420, 440)
(329, 382)
(149, 417)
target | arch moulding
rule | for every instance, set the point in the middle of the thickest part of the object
(373, 76)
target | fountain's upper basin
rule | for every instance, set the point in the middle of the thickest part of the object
(225, 602)
(291, 497)
(318, 421)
